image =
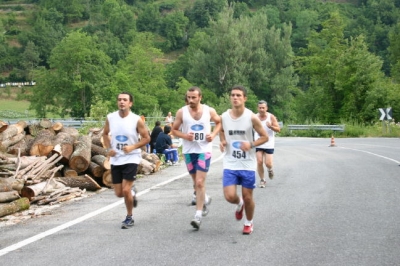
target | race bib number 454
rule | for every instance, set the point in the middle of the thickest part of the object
(236, 152)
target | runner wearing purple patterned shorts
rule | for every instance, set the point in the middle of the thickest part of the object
(194, 121)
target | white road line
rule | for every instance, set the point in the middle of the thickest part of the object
(381, 156)
(87, 216)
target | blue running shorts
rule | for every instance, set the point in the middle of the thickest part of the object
(245, 178)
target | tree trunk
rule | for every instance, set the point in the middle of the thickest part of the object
(24, 146)
(13, 207)
(82, 182)
(45, 123)
(39, 188)
(102, 161)
(13, 130)
(97, 138)
(95, 169)
(71, 131)
(3, 126)
(43, 143)
(64, 146)
(146, 167)
(33, 190)
(9, 184)
(80, 158)
(57, 126)
(34, 129)
(153, 158)
(27, 160)
(9, 196)
(4, 144)
(98, 150)
(67, 171)
(107, 179)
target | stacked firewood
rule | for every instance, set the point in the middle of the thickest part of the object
(47, 163)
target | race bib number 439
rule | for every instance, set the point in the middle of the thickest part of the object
(236, 152)
(121, 142)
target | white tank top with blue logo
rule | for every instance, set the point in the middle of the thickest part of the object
(123, 132)
(270, 144)
(237, 131)
(200, 128)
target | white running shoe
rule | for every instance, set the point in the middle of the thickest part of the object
(196, 222)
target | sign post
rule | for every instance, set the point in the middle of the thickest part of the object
(386, 114)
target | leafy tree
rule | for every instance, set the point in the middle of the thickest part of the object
(174, 28)
(4, 59)
(142, 74)
(204, 11)
(120, 21)
(241, 9)
(40, 100)
(305, 22)
(394, 50)
(175, 70)
(30, 60)
(149, 19)
(111, 45)
(46, 33)
(79, 71)
(341, 73)
(244, 51)
(72, 10)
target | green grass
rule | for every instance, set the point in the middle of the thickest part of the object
(12, 109)
(352, 130)
(18, 106)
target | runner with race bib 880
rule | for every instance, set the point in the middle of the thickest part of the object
(197, 135)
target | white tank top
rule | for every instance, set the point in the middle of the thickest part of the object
(123, 132)
(236, 131)
(270, 144)
(200, 128)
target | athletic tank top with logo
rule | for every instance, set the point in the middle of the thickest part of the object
(270, 144)
(200, 128)
(237, 131)
(123, 132)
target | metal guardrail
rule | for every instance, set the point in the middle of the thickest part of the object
(317, 127)
(76, 123)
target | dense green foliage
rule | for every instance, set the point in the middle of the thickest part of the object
(311, 60)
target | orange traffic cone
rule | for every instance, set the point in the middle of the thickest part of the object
(332, 142)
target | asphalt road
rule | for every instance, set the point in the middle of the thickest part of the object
(326, 206)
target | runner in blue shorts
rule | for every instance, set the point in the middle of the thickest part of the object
(240, 162)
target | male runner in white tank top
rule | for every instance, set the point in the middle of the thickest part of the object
(271, 126)
(194, 118)
(121, 140)
(236, 138)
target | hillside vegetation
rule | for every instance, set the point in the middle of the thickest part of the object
(319, 61)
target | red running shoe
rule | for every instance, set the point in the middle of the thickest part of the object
(248, 229)
(239, 213)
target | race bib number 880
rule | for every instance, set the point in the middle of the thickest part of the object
(199, 132)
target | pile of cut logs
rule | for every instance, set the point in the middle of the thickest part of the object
(47, 163)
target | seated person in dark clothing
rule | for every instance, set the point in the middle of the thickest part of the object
(164, 145)
(154, 134)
